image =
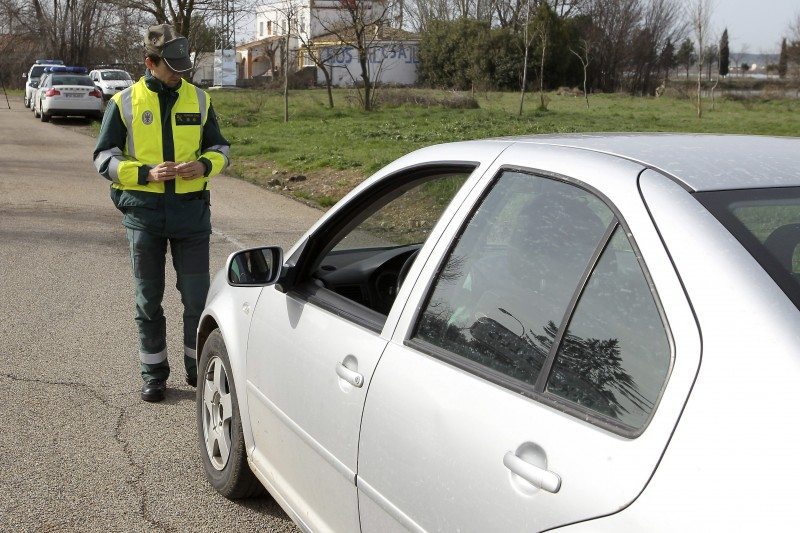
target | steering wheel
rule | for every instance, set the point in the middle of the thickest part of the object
(401, 276)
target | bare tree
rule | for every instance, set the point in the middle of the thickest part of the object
(738, 57)
(527, 39)
(583, 56)
(357, 24)
(700, 15)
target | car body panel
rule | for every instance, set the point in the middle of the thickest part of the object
(73, 100)
(433, 436)
(699, 162)
(294, 347)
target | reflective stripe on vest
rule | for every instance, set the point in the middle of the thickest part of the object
(141, 113)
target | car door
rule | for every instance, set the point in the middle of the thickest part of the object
(313, 347)
(534, 377)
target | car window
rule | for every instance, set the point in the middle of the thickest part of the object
(366, 259)
(115, 75)
(615, 355)
(72, 79)
(767, 223)
(503, 291)
(36, 72)
(407, 219)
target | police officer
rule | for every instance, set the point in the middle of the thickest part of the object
(159, 145)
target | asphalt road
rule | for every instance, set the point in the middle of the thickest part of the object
(78, 449)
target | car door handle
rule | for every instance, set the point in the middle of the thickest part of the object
(539, 477)
(353, 378)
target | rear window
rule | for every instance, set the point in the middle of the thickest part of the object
(72, 79)
(767, 223)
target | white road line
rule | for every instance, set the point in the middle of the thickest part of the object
(238, 244)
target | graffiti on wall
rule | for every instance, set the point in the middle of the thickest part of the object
(377, 54)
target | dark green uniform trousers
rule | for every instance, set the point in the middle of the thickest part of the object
(190, 257)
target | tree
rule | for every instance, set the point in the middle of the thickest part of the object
(783, 62)
(357, 24)
(583, 56)
(700, 12)
(667, 59)
(712, 58)
(685, 56)
(724, 54)
(738, 56)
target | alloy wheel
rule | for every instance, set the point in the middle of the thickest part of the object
(217, 413)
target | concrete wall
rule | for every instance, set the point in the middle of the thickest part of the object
(392, 63)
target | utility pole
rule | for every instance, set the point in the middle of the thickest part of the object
(225, 45)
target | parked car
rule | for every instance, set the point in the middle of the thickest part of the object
(33, 76)
(111, 81)
(582, 332)
(67, 91)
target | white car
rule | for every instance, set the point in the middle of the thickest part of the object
(33, 77)
(581, 333)
(111, 81)
(67, 91)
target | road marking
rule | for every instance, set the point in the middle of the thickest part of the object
(238, 244)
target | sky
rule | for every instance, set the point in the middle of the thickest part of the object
(760, 24)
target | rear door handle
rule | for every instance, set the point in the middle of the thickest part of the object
(353, 378)
(538, 477)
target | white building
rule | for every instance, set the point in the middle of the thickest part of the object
(393, 56)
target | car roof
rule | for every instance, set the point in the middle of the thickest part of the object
(698, 162)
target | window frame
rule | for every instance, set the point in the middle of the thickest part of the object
(538, 391)
(318, 245)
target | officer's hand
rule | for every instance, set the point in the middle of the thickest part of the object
(162, 172)
(190, 170)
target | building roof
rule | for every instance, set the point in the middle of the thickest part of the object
(699, 162)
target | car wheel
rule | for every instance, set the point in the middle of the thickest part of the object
(27, 102)
(45, 117)
(35, 113)
(219, 424)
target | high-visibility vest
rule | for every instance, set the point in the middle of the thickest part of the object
(141, 112)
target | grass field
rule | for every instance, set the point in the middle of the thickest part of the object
(321, 153)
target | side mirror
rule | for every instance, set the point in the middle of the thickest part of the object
(255, 267)
(25, 75)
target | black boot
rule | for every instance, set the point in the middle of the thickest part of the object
(153, 390)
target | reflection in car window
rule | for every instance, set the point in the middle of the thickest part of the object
(615, 355)
(505, 287)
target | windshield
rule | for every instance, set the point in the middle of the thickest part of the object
(767, 223)
(115, 75)
(36, 72)
(72, 79)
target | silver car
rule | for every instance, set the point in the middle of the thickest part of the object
(583, 333)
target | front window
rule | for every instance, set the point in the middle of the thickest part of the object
(368, 262)
(767, 223)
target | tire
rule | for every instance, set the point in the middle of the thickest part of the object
(35, 113)
(218, 428)
(45, 117)
(26, 102)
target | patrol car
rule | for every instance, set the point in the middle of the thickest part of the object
(67, 91)
(34, 75)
